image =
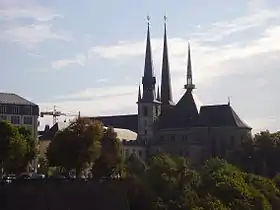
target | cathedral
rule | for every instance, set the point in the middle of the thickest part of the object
(177, 128)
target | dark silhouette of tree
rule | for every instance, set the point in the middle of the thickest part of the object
(77, 146)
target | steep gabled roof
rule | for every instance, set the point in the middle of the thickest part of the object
(12, 98)
(220, 116)
(184, 114)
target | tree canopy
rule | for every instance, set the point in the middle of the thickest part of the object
(17, 147)
(76, 146)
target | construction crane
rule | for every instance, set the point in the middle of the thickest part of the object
(55, 113)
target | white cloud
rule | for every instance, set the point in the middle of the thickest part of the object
(28, 9)
(35, 13)
(219, 30)
(59, 64)
(31, 35)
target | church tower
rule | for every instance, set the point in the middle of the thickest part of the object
(148, 103)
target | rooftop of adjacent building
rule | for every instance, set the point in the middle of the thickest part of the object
(49, 132)
(12, 98)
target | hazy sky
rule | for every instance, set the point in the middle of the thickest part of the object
(89, 56)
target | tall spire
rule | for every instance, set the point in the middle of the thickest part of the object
(149, 79)
(166, 91)
(189, 86)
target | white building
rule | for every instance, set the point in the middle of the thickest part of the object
(19, 111)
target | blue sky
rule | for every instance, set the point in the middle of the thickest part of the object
(88, 56)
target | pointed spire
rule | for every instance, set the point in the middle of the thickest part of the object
(166, 91)
(148, 69)
(189, 86)
(158, 94)
(149, 79)
(139, 94)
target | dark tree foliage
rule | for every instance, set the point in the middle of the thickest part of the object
(110, 162)
(17, 147)
(77, 146)
(259, 155)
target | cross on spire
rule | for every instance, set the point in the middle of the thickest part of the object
(148, 19)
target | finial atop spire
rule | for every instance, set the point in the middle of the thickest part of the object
(165, 18)
(229, 100)
(148, 19)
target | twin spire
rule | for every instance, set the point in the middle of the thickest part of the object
(164, 93)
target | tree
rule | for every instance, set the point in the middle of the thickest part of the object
(135, 166)
(173, 182)
(32, 150)
(110, 162)
(7, 131)
(77, 146)
(15, 159)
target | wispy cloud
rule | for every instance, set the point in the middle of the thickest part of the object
(59, 64)
(36, 27)
(35, 54)
(32, 35)
(37, 13)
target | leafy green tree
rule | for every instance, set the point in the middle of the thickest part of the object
(110, 162)
(77, 146)
(135, 166)
(32, 149)
(173, 182)
(7, 131)
(17, 150)
(15, 147)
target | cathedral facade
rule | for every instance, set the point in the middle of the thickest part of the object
(177, 128)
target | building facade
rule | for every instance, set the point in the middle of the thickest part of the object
(19, 111)
(177, 128)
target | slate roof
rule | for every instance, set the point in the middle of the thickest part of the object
(12, 98)
(184, 114)
(129, 122)
(220, 116)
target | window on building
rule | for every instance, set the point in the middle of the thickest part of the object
(145, 111)
(172, 138)
(27, 110)
(145, 132)
(15, 109)
(184, 138)
(3, 109)
(27, 120)
(140, 153)
(3, 117)
(161, 138)
(15, 120)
